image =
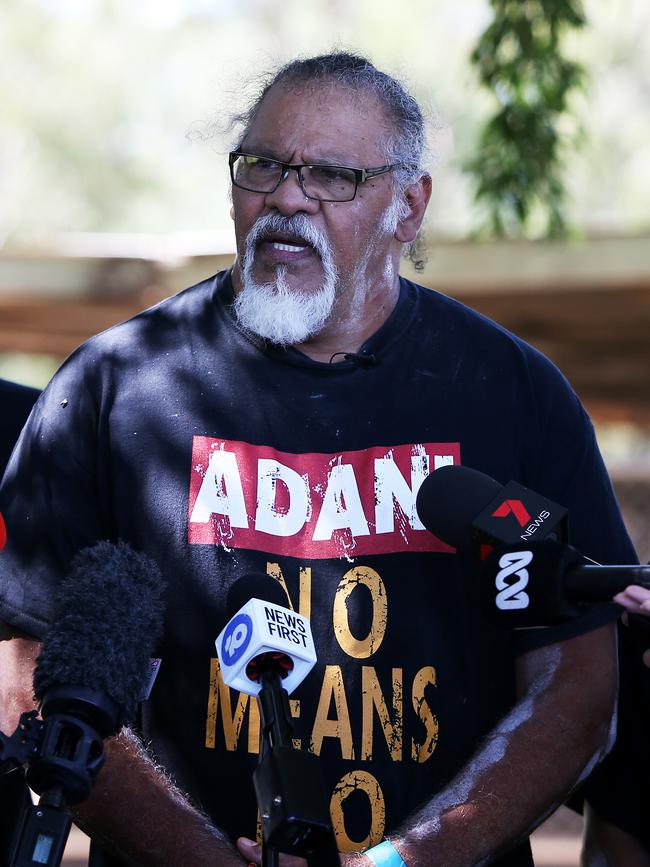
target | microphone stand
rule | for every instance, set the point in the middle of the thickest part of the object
(63, 753)
(288, 785)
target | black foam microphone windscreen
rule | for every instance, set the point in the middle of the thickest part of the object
(450, 499)
(108, 618)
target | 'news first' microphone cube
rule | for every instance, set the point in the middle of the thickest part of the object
(262, 627)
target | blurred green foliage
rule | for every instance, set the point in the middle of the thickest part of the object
(518, 164)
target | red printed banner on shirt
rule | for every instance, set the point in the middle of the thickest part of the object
(312, 505)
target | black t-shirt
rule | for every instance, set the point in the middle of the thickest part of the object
(218, 456)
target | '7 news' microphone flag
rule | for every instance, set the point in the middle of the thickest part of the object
(465, 508)
(264, 627)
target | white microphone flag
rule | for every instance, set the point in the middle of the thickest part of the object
(263, 627)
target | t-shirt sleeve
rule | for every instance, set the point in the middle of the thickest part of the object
(50, 499)
(569, 469)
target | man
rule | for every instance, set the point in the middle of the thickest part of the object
(16, 402)
(280, 418)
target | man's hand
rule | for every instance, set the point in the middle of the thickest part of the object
(252, 852)
(635, 599)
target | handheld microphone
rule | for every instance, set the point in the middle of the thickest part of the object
(534, 579)
(466, 508)
(97, 654)
(263, 632)
(88, 681)
(266, 650)
(547, 582)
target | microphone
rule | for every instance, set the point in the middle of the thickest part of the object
(97, 655)
(266, 650)
(547, 582)
(263, 633)
(88, 680)
(361, 359)
(532, 578)
(465, 508)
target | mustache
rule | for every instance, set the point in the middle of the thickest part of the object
(296, 228)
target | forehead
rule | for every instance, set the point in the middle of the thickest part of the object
(321, 122)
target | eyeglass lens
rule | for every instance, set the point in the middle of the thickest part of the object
(318, 182)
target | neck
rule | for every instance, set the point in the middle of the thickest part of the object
(364, 302)
(355, 318)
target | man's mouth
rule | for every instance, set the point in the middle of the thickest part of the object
(288, 248)
(282, 246)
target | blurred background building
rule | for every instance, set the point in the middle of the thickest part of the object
(114, 126)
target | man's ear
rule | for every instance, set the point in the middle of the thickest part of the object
(417, 197)
(232, 212)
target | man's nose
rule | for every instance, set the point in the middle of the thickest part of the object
(289, 198)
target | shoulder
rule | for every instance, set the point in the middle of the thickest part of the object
(465, 332)
(153, 332)
(150, 340)
(156, 323)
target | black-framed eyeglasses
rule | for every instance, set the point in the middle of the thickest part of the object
(259, 174)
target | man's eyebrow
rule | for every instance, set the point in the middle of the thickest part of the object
(259, 151)
(270, 153)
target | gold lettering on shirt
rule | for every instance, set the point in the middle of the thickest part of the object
(304, 587)
(219, 694)
(365, 782)
(259, 834)
(324, 727)
(422, 752)
(294, 706)
(360, 648)
(373, 699)
(253, 727)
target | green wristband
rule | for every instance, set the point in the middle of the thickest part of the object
(385, 855)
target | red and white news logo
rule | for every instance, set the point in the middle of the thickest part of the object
(312, 505)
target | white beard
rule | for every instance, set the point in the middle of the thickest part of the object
(273, 310)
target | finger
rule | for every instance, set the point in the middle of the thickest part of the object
(628, 603)
(635, 599)
(637, 594)
(250, 850)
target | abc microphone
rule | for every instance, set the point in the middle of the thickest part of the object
(534, 579)
(547, 582)
(267, 650)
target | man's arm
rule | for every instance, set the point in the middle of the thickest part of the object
(559, 728)
(134, 809)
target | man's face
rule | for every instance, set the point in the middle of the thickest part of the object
(346, 245)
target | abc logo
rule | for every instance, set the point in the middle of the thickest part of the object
(236, 639)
